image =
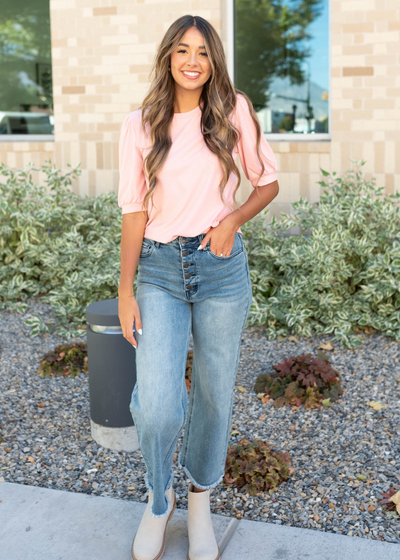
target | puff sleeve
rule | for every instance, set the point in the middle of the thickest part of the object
(247, 148)
(132, 182)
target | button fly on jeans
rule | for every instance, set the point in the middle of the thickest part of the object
(187, 275)
(185, 265)
(184, 253)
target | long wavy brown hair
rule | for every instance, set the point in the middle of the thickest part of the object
(218, 98)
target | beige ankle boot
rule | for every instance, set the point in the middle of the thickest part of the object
(149, 541)
(202, 543)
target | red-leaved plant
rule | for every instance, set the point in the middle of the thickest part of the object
(389, 505)
(302, 379)
(255, 467)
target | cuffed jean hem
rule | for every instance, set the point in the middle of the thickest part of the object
(150, 487)
(193, 481)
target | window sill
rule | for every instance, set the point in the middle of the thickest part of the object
(27, 138)
(298, 137)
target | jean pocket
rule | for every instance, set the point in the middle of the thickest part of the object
(236, 249)
(147, 248)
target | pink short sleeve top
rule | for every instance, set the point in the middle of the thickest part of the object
(187, 198)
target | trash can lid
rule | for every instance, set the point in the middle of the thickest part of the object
(103, 313)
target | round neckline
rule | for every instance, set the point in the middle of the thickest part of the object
(187, 113)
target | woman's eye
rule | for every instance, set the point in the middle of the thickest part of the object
(183, 51)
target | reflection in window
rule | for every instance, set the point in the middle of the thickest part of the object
(26, 93)
(282, 63)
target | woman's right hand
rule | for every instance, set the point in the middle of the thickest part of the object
(128, 313)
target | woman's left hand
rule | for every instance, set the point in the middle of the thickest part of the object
(222, 237)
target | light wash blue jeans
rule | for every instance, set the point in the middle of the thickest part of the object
(182, 290)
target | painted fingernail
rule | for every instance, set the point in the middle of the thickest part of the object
(134, 346)
(199, 247)
(140, 331)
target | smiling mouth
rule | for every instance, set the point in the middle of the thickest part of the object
(191, 75)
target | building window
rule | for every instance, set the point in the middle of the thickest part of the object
(281, 61)
(26, 91)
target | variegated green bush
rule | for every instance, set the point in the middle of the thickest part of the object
(340, 274)
(58, 245)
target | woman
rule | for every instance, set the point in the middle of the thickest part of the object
(178, 178)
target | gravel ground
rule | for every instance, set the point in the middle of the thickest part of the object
(51, 445)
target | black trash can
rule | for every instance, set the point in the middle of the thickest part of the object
(112, 377)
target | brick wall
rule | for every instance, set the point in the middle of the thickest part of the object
(102, 53)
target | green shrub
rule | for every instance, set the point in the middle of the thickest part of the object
(301, 380)
(58, 245)
(341, 274)
(255, 467)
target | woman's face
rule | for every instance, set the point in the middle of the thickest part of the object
(190, 65)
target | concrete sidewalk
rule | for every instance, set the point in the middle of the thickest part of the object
(43, 524)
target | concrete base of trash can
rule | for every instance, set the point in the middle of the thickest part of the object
(118, 439)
